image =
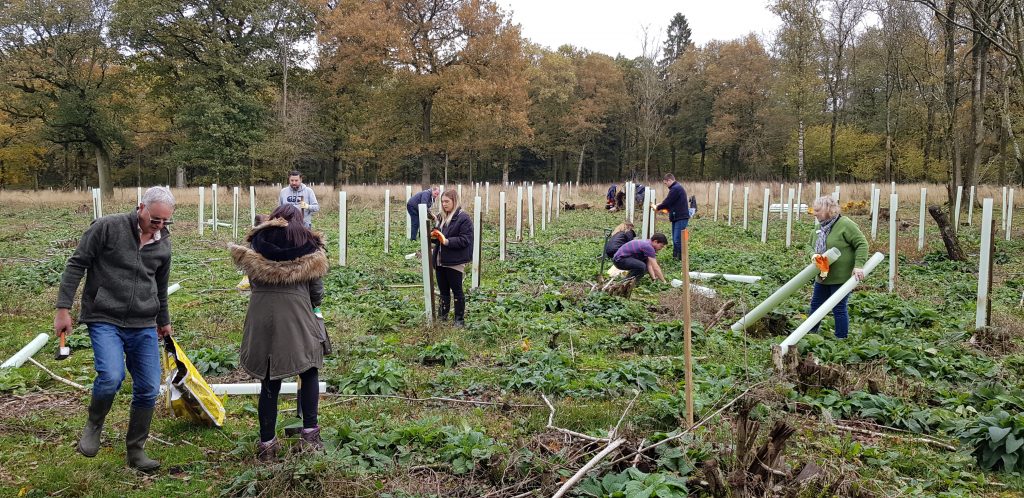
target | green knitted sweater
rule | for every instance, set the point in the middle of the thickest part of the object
(847, 237)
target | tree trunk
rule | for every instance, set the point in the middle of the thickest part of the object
(949, 83)
(103, 170)
(979, 62)
(179, 178)
(949, 238)
(703, 154)
(800, 171)
(504, 168)
(579, 165)
(427, 104)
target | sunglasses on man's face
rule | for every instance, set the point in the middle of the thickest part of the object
(160, 221)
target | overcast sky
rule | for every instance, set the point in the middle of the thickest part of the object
(615, 26)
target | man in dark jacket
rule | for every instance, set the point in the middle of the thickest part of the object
(425, 197)
(638, 197)
(126, 260)
(676, 205)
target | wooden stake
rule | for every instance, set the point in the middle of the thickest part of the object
(687, 333)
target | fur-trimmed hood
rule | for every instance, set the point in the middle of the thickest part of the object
(261, 269)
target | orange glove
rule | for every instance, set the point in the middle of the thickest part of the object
(663, 211)
(822, 263)
(438, 236)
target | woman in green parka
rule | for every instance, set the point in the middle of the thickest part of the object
(842, 233)
(282, 337)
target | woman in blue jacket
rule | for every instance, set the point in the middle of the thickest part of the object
(453, 239)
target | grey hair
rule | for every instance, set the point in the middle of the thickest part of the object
(158, 195)
(827, 204)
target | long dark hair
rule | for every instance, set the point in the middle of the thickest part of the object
(296, 233)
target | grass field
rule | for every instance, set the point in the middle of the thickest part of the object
(913, 378)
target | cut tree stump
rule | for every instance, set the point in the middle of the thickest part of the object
(949, 238)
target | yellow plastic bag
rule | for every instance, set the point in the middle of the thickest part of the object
(188, 394)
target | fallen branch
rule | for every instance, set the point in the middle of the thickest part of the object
(586, 468)
(615, 431)
(59, 378)
(437, 398)
(916, 439)
(551, 425)
(691, 429)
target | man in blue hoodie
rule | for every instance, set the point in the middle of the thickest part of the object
(300, 196)
(678, 209)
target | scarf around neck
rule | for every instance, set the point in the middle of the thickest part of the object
(826, 228)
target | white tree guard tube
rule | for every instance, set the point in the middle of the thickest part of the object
(475, 278)
(1009, 215)
(783, 292)
(202, 207)
(799, 196)
(254, 388)
(387, 221)
(984, 265)
(519, 213)
(875, 199)
(173, 288)
(501, 226)
(213, 205)
(764, 216)
(956, 213)
(343, 228)
(1002, 220)
(920, 228)
(829, 303)
(234, 212)
(789, 219)
(729, 210)
(544, 207)
(428, 303)
(893, 208)
(252, 206)
(26, 352)
(696, 289)
(718, 186)
(645, 228)
(746, 198)
(746, 279)
(529, 207)
(970, 207)
(408, 217)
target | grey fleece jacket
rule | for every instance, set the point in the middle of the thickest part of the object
(124, 285)
(295, 197)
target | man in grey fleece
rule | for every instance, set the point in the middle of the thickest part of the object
(126, 260)
(300, 196)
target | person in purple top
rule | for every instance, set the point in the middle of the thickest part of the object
(640, 256)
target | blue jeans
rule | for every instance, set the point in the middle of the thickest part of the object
(677, 237)
(115, 347)
(842, 316)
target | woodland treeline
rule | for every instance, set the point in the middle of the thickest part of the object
(137, 92)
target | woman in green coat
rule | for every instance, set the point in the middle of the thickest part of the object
(842, 233)
(282, 337)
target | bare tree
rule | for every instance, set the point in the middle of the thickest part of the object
(648, 96)
(839, 27)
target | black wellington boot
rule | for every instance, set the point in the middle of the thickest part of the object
(89, 443)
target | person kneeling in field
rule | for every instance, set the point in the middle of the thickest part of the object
(282, 337)
(639, 257)
(623, 233)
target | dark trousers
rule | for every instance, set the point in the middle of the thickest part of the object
(634, 266)
(414, 215)
(449, 281)
(841, 314)
(309, 399)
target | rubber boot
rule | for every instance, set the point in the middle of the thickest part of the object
(442, 312)
(135, 440)
(89, 443)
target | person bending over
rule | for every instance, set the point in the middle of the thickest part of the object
(413, 208)
(639, 257)
(623, 233)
